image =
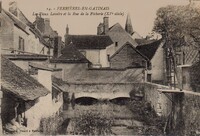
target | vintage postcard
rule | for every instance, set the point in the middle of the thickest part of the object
(100, 67)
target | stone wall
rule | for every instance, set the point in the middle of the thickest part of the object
(160, 102)
(191, 114)
(1, 96)
(79, 73)
(180, 110)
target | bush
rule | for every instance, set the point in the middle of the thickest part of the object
(91, 123)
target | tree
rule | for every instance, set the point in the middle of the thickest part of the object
(175, 23)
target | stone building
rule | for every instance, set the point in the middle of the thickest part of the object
(69, 59)
(26, 95)
(118, 34)
(153, 50)
(20, 93)
(94, 47)
(50, 35)
(128, 57)
(18, 35)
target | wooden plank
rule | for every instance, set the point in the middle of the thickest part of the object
(170, 91)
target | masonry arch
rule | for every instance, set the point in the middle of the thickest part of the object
(85, 100)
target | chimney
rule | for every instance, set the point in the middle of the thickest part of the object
(13, 8)
(67, 30)
(100, 29)
(57, 46)
(66, 35)
(106, 24)
(40, 24)
(47, 21)
(47, 26)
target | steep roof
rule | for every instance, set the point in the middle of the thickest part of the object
(15, 81)
(143, 41)
(128, 44)
(16, 21)
(70, 54)
(128, 25)
(89, 41)
(149, 49)
(118, 34)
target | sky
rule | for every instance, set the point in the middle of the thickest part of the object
(142, 13)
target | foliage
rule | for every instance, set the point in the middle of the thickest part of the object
(50, 125)
(92, 123)
(177, 23)
(142, 110)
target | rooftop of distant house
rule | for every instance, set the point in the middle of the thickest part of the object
(89, 41)
(70, 54)
(149, 48)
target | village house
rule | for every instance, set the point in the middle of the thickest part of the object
(69, 59)
(20, 93)
(153, 50)
(19, 36)
(47, 32)
(93, 47)
(128, 57)
(25, 96)
(118, 34)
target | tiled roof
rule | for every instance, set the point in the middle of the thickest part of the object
(70, 54)
(144, 41)
(149, 49)
(118, 34)
(15, 81)
(16, 22)
(128, 44)
(89, 41)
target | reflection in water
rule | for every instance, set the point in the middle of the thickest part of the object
(101, 118)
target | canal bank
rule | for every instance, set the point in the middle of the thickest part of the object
(121, 117)
(150, 106)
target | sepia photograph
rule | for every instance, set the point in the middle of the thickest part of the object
(100, 67)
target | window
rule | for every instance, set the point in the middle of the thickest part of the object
(183, 58)
(116, 44)
(108, 57)
(148, 77)
(21, 44)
